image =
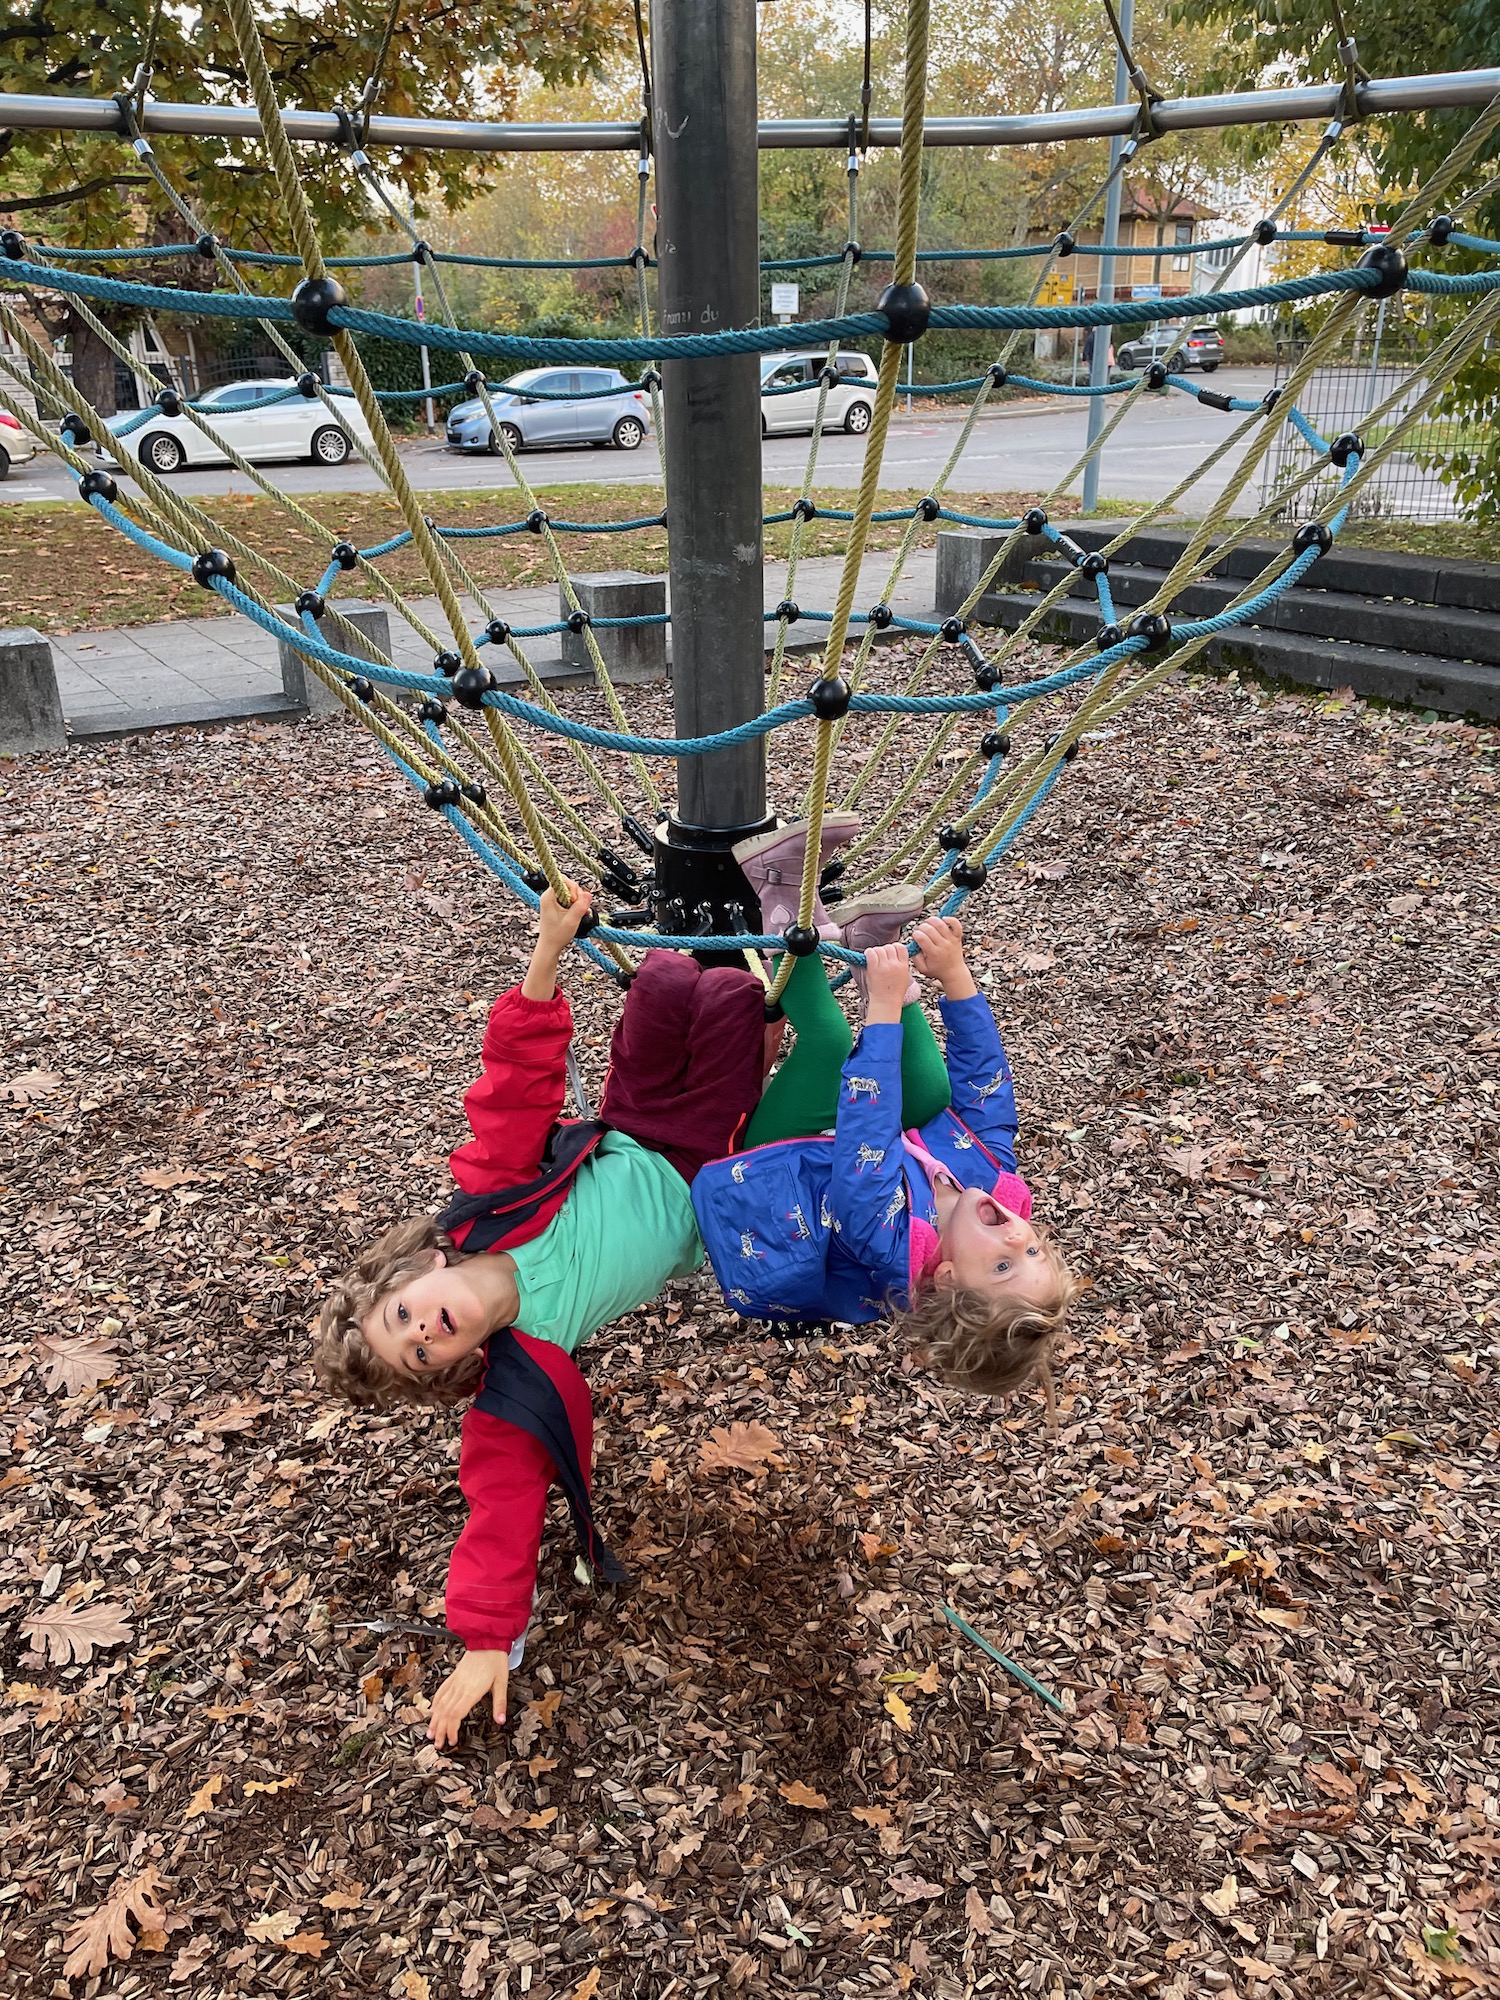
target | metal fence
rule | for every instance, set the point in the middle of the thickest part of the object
(1375, 362)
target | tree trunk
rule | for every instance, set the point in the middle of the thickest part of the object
(93, 367)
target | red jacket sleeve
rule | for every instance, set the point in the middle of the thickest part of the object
(516, 1100)
(505, 1474)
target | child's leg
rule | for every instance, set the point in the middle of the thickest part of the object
(925, 1090)
(802, 1098)
(686, 1059)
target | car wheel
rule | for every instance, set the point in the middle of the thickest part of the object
(162, 452)
(329, 445)
(4, 463)
(512, 437)
(857, 419)
(628, 433)
(765, 428)
(1209, 367)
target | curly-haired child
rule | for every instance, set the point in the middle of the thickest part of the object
(561, 1226)
(879, 1176)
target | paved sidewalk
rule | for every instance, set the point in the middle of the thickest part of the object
(212, 670)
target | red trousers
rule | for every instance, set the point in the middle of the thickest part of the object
(686, 1061)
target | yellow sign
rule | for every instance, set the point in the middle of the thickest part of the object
(1056, 290)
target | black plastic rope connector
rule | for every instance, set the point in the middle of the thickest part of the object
(1269, 400)
(929, 508)
(968, 874)
(1094, 563)
(72, 429)
(497, 631)
(444, 792)
(1215, 399)
(1440, 229)
(987, 676)
(804, 510)
(1156, 375)
(578, 621)
(953, 630)
(432, 710)
(421, 251)
(1313, 535)
(207, 246)
(1050, 743)
(830, 698)
(831, 871)
(907, 310)
(1107, 636)
(852, 250)
(954, 839)
(312, 302)
(471, 685)
(639, 258)
(13, 245)
(1063, 244)
(828, 376)
(994, 743)
(535, 881)
(789, 610)
(474, 381)
(310, 601)
(362, 687)
(651, 379)
(801, 940)
(1347, 445)
(474, 792)
(1389, 259)
(211, 564)
(536, 520)
(1034, 520)
(169, 402)
(1154, 627)
(881, 616)
(1346, 239)
(447, 664)
(97, 485)
(345, 554)
(308, 384)
(1264, 232)
(998, 375)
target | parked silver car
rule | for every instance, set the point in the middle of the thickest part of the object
(538, 407)
(789, 392)
(1203, 348)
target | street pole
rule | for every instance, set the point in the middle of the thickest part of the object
(1099, 368)
(707, 246)
(416, 281)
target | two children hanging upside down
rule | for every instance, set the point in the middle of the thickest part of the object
(868, 1178)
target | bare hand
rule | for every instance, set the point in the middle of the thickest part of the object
(475, 1676)
(556, 926)
(887, 981)
(940, 955)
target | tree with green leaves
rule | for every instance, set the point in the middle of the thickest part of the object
(1395, 38)
(434, 58)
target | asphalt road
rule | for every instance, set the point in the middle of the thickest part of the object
(1017, 451)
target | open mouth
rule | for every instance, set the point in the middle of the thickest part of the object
(447, 1323)
(989, 1212)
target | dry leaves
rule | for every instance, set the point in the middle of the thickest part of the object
(202, 1800)
(71, 1632)
(107, 1932)
(75, 1364)
(739, 1448)
(797, 1794)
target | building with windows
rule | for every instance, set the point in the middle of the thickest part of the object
(1146, 223)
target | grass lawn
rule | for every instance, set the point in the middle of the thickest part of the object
(64, 569)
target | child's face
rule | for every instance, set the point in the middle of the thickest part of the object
(989, 1248)
(429, 1321)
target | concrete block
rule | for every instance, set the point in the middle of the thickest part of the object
(31, 716)
(631, 652)
(300, 684)
(963, 554)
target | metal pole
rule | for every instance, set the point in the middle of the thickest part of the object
(1099, 368)
(1445, 91)
(416, 285)
(707, 247)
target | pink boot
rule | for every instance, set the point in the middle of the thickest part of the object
(772, 864)
(866, 921)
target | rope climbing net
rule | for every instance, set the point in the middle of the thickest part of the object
(998, 744)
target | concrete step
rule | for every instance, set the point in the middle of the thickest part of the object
(1420, 680)
(1463, 586)
(104, 725)
(1324, 614)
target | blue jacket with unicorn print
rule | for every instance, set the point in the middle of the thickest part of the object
(836, 1227)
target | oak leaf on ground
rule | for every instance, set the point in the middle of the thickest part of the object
(71, 1632)
(797, 1794)
(202, 1800)
(106, 1932)
(76, 1363)
(740, 1448)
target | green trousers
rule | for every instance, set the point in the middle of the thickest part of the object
(802, 1098)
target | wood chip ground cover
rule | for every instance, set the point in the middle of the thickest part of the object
(1244, 963)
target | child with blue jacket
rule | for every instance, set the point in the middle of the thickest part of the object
(879, 1175)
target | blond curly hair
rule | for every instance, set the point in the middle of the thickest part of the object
(990, 1344)
(343, 1358)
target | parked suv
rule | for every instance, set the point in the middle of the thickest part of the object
(789, 392)
(1203, 348)
(537, 407)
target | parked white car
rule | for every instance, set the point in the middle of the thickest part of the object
(17, 445)
(851, 400)
(248, 416)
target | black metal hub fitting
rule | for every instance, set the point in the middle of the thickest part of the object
(308, 384)
(446, 663)
(968, 874)
(433, 711)
(98, 485)
(881, 616)
(789, 609)
(994, 743)
(312, 302)
(642, 837)
(211, 563)
(471, 685)
(953, 630)
(169, 402)
(1093, 564)
(1313, 535)
(444, 792)
(801, 940)
(830, 698)
(497, 631)
(1347, 445)
(310, 600)
(345, 554)
(907, 310)
(1034, 520)
(1154, 627)
(1389, 259)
